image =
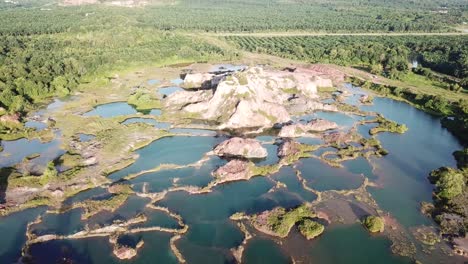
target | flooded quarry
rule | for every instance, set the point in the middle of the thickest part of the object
(224, 164)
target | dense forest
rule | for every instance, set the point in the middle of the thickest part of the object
(33, 68)
(387, 55)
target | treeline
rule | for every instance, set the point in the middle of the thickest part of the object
(33, 68)
(389, 55)
(239, 16)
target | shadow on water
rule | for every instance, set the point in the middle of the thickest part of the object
(5, 173)
(13, 228)
(60, 251)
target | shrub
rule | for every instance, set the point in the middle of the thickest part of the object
(374, 224)
(310, 229)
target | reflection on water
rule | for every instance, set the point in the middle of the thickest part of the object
(166, 91)
(15, 151)
(112, 110)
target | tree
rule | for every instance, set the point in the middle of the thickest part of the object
(374, 224)
(449, 182)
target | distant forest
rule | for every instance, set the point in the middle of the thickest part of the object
(33, 17)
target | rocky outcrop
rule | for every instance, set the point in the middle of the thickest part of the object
(304, 130)
(250, 99)
(324, 72)
(11, 118)
(200, 80)
(338, 137)
(460, 246)
(299, 105)
(180, 99)
(321, 125)
(240, 147)
(234, 170)
(288, 148)
(124, 252)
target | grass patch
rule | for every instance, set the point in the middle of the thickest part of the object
(374, 224)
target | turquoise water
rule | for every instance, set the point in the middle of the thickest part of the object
(112, 110)
(173, 150)
(264, 251)
(155, 112)
(13, 228)
(177, 81)
(288, 176)
(322, 177)
(86, 137)
(62, 224)
(402, 175)
(193, 176)
(98, 250)
(15, 151)
(153, 81)
(272, 157)
(165, 91)
(424, 147)
(36, 124)
(352, 244)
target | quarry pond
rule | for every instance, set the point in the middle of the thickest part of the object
(209, 170)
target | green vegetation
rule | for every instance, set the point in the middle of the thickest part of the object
(144, 101)
(451, 198)
(92, 207)
(35, 68)
(240, 16)
(449, 182)
(281, 221)
(16, 179)
(263, 170)
(388, 56)
(385, 125)
(374, 224)
(311, 229)
(50, 173)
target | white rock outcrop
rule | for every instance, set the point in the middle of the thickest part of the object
(241, 147)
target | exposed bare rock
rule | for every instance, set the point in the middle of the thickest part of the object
(301, 130)
(124, 252)
(320, 82)
(300, 105)
(11, 118)
(460, 246)
(234, 170)
(240, 147)
(253, 98)
(338, 137)
(251, 114)
(294, 130)
(200, 80)
(321, 125)
(180, 99)
(288, 148)
(324, 72)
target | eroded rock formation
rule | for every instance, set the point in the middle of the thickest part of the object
(253, 98)
(240, 147)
